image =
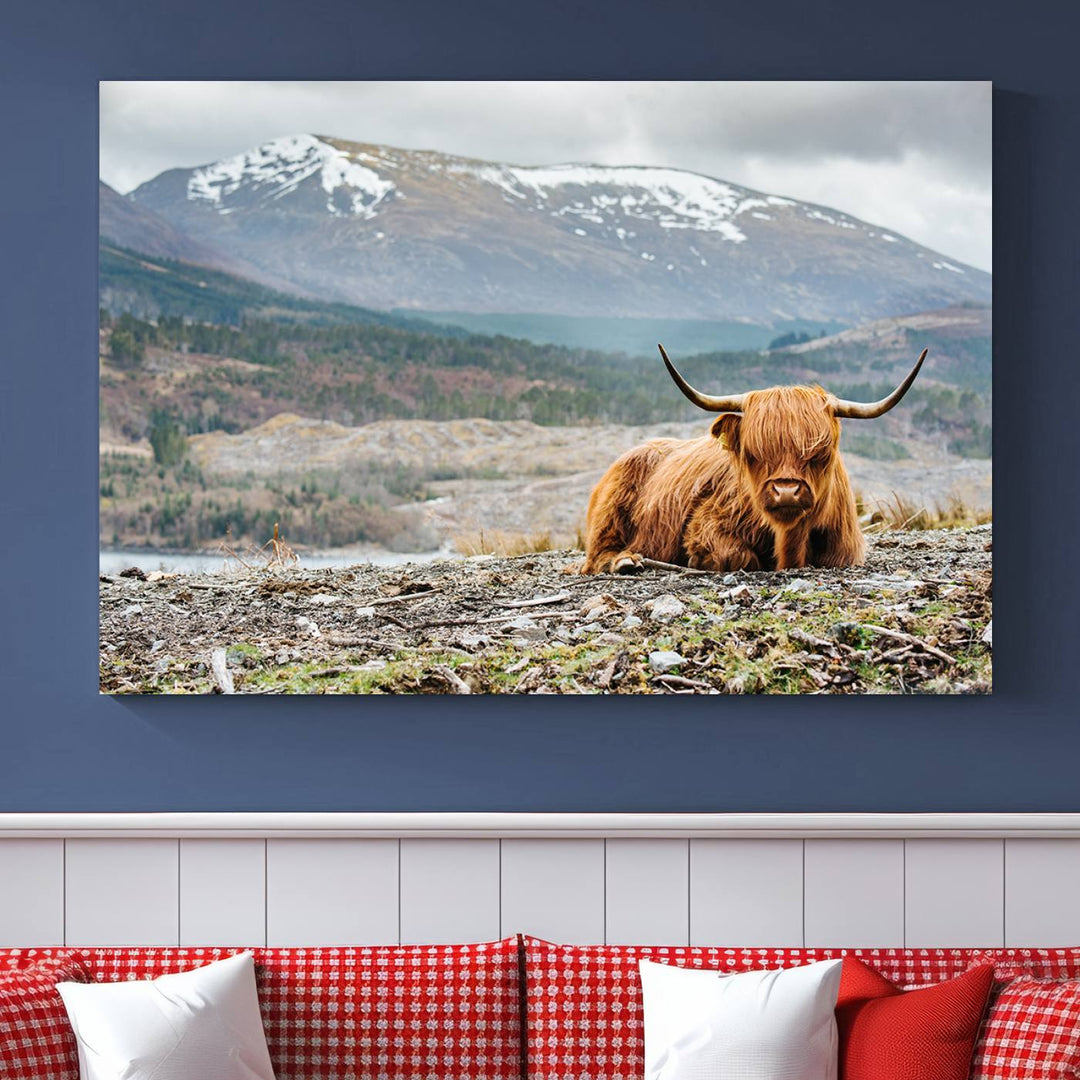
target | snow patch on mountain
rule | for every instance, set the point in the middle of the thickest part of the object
(670, 198)
(280, 166)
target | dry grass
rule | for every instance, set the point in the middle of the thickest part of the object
(275, 553)
(497, 542)
(896, 512)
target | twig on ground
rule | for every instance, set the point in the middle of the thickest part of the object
(457, 684)
(222, 674)
(346, 642)
(909, 639)
(655, 564)
(539, 601)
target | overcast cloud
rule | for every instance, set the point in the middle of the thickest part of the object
(913, 157)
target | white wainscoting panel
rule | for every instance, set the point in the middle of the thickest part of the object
(449, 891)
(854, 893)
(31, 892)
(746, 892)
(332, 892)
(709, 879)
(1042, 892)
(647, 892)
(222, 892)
(122, 892)
(554, 889)
(954, 893)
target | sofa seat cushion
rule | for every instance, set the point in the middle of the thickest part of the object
(1031, 1032)
(36, 1039)
(584, 1008)
(353, 1013)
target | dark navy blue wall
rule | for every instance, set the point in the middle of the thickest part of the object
(64, 748)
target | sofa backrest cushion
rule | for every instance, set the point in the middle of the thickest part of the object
(36, 1039)
(381, 1012)
(584, 1012)
(1031, 1032)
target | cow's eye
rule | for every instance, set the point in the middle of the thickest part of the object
(750, 459)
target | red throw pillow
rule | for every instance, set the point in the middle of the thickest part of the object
(36, 1038)
(892, 1034)
(1031, 1033)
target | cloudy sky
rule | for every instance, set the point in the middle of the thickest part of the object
(914, 157)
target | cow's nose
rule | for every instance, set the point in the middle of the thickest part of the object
(786, 492)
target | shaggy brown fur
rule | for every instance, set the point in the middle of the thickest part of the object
(766, 490)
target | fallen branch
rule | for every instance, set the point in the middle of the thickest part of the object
(222, 674)
(492, 619)
(909, 639)
(682, 681)
(539, 601)
(361, 642)
(655, 564)
(457, 684)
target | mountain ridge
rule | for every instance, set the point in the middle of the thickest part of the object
(390, 228)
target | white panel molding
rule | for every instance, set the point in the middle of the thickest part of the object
(954, 893)
(122, 892)
(554, 888)
(31, 892)
(529, 825)
(1042, 887)
(647, 891)
(853, 893)
(332, 892)
(222, 892)
(449, 891)
(748, 891)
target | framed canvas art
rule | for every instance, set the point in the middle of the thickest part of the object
(545, 387)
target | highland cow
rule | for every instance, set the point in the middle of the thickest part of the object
(765, 490)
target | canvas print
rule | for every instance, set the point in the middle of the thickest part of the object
(545, 388)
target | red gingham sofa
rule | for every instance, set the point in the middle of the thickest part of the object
(517, 1009)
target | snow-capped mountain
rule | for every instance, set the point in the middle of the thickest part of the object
(387, 228)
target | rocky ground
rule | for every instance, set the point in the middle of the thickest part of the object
(914, 619)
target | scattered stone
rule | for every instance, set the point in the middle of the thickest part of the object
(666, 607)
(157, 646)
(134, 572)
(630, 622)
(132, 610)
(730, 579)
(524, 630)
(324, 598)
(608, 638)
(741, 594)
(988, 635)
(308, 626)
(663, 660)
(799, 585)
(473, 641)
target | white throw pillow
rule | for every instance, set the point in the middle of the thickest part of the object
(198, 1025)
(757, 1025)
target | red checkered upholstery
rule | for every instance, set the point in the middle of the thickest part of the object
(1036, 963)
(584, 1001)
(1031, 1032)
(410, 1012)
(36, 1040)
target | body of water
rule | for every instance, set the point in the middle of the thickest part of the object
(112, 562)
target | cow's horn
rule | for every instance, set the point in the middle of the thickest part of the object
(862, 410)
(734, 403)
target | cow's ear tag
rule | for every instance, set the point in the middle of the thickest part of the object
(722, 439)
